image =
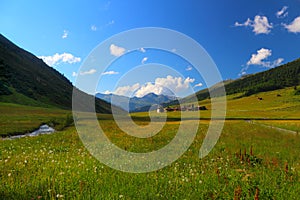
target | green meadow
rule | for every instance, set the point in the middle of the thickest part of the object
(16, 119)
(249, 161)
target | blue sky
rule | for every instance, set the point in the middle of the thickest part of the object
(242, 37)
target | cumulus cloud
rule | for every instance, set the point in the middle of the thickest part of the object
(82, 73)
(198, 85)
(189, 68)
(260, 24)
(65, 34)
(60, 58)
(144, 60)
(109, 73)
(127, 90)
(164, 85)
(293, 27)
(282, 13)
(116, 51)
(94, 28)
(257, 59)
(260, 58)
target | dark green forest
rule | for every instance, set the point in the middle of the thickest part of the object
(287, 75)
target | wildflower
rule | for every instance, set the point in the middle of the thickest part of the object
(9, 174)
(121, 196)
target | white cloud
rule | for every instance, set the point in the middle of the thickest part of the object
(160, 86)
(74, 74)
(257, 59)
(107, 92)
(94, 28)
(260, 24)
(164, 85)
(59, 58)
(189, 68)
(246, 23)
(282, 13)
(142, 50)
(260, 58)
(116, 51)
(293, 27)
(65, 34)
(198, 85)
(91, 71)
(109, 73)
(127, 90)
(144, 60)
(82, 73)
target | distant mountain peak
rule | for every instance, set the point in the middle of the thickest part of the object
(136, 103)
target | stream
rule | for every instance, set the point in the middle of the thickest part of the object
(43, 129)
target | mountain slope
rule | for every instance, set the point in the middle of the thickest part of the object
(27, 80)
(287, 75)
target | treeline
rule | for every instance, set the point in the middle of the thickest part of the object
(287, 75)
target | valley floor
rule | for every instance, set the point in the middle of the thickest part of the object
(248, 161)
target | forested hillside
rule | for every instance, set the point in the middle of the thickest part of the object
(27, 80)
(277, 78)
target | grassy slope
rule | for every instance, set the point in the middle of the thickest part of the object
(287, 106)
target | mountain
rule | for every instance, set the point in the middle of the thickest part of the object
(287, 75)
(136, 104)
(27, 80)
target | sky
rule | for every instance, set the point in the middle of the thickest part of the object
(241, 37)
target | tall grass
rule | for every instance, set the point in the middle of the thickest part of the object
(249, 161)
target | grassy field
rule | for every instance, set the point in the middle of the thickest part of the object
(16, 119)
(250, 161)
(293, 125)
(279, 104)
